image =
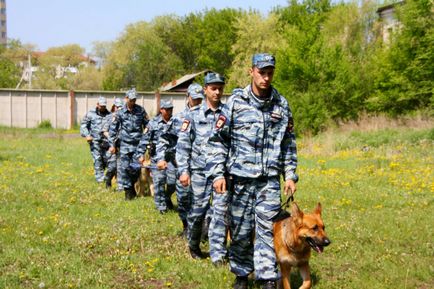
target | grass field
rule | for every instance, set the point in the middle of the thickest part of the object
(59, 229)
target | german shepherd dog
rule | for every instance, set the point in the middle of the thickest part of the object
(294, 236)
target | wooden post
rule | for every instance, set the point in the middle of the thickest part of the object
(25, 106)
(40, 107)
(55, 110)
(10, 109)
(157, 101)
(71, 96)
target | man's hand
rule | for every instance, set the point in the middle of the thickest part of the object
(89, 139)
(185, 180)
(162, 165)
(112, 150)
(220, 186)
(289, 187)
(141, 160)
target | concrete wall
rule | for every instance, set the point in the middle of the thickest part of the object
(27, 108)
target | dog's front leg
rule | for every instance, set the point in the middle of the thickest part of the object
(285, 269)
(305, 274)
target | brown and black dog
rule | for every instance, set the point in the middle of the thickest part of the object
(294, 237)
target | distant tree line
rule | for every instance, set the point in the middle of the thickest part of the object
(332, 63)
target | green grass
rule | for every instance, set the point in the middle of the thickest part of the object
(59, 229)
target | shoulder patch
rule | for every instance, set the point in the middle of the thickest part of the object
(185, 125)
(220, 122)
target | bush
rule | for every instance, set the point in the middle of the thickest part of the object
(45, 124)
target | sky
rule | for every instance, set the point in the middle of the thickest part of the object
(50, 23)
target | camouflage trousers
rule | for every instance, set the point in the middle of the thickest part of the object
(255, 202)
(218, 226)
(183, 198)
(99, 156)
(201, 188)
(128, 173)
(164, 185)
(111, 164)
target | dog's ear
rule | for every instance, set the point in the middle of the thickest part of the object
(296, 214)
(318, 209)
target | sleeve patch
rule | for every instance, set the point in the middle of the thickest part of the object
(220, 122)
(185, 125)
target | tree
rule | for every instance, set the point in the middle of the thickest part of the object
(405, 70)
(255, 34)
(139, 58)
(9, 72)
(201, 40)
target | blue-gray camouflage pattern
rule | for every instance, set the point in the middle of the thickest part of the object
(191, 150)
(128, 126)
(166, 148)
(257, 138)
(113, 160)
(164, 180)
(219, 225)
(92, 125)
(255, 145)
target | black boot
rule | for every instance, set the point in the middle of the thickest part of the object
(108, 180)
(269, 285)
(196, 253)
(241, 282)
(130, 194)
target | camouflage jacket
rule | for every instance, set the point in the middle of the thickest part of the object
(151, 137)
(192, 146)
(93, 123)
(255, 138)
(128, 127)
(169, 138)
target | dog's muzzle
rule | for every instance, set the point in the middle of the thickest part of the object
(318, 245)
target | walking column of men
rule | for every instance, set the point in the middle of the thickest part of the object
(224, 161)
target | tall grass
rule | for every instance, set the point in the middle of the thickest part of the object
(59, 229)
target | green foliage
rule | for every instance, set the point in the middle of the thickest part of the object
(404, 71)
(139, 58)
(252, 29)
(45, 124)
(9, 73)
(201, 40)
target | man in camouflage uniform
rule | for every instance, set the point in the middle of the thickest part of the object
(128, 127)
(191, 152)
(256, 145)
(164, 180)
(166, 149)
(113, 159)
(92, 129)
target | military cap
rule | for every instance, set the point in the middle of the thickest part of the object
(195, 90)
(118, 102)
(261, 60)
(131, 94)
(213, 77)
(166, 104)
(102, 101)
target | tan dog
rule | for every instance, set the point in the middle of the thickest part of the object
(144, 185)
(293, 239)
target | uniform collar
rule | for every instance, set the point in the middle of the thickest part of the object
(207, 110)
(260, 103)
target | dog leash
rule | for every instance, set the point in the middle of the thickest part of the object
(283, 213)
(287, 202)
